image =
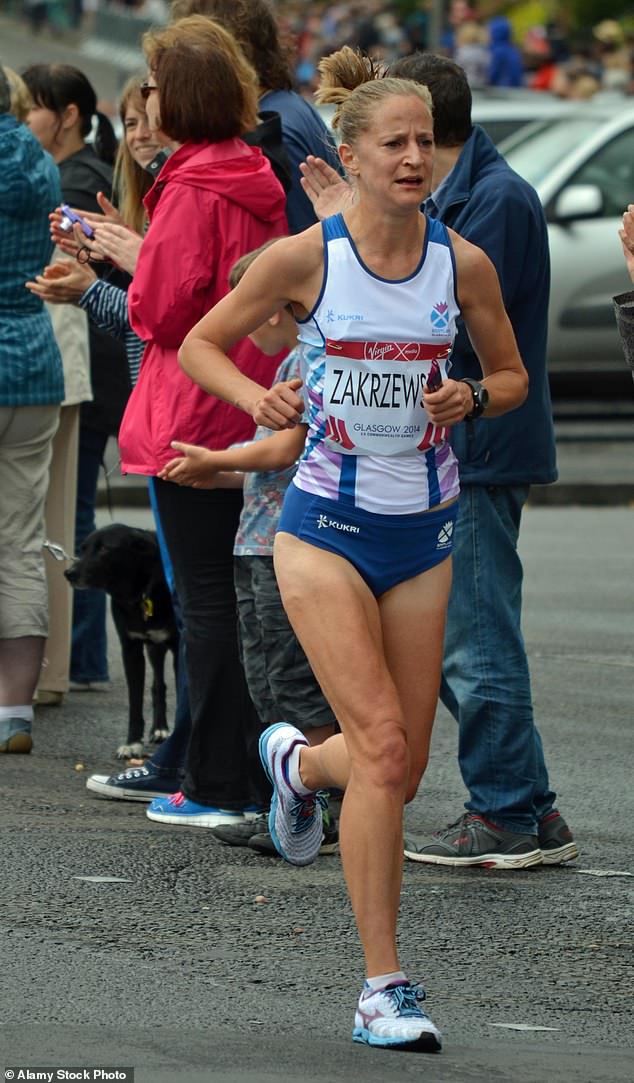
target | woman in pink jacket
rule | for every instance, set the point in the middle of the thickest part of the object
(215, 199)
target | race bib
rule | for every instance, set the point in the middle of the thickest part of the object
(373, 394)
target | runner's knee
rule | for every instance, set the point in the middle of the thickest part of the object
(386, 758)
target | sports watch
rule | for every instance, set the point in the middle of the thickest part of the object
(480, 398)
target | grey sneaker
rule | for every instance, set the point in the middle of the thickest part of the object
(555, 840)
(15, 735)
(241, 834)
(471, 840)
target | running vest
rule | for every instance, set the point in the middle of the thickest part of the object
(367, 350)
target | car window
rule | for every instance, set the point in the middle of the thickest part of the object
(533, 151)
(612, 170)
(500, 128)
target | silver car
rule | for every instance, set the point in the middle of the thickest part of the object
(582, 166)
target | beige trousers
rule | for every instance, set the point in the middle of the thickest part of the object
(26, 436)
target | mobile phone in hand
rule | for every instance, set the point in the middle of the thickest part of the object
(71, 218)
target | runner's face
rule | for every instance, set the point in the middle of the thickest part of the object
(393, 158)
(140, 141)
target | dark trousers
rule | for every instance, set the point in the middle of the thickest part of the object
(89, 652)
(199, 525)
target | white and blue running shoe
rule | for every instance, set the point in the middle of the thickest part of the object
(391, 1018)
(295, 820)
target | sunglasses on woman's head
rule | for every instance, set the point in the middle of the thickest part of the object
(146, 89)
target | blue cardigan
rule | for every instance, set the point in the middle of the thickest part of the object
(30, 364)
(489, 204)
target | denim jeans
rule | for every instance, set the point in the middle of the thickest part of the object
(168, 757)
(486, 680)
(89, 651)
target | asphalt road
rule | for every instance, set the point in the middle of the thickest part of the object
(174, 969)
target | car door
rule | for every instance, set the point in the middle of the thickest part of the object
(587, 261)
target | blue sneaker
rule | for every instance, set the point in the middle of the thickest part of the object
(391, 1018)
(178, 809)
(136, 784)
(15, 735)
(295, 820)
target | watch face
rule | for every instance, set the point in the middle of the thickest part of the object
(483, 396)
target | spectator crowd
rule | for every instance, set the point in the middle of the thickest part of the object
(499, 49)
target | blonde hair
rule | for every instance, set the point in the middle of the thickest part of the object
(21, 100)
(357, 86)
(130, 181)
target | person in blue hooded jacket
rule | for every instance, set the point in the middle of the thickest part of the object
(31, 390)
(506, 67)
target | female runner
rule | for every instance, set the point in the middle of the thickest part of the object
(363, 550)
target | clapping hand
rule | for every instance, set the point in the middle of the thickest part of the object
(113, 242)
(62, 282)
(70, 243)
(626, 233)
(326, 189)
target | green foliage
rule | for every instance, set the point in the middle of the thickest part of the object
(590, 12)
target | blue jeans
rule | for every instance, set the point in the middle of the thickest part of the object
(168, 757)
(486, 680)
(89, 652)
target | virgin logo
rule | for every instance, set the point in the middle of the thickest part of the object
(391, 351)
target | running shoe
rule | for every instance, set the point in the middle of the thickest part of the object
(392, 1018)
(295, 820)
(555, 840)
(15, 735)
(135, 784)
(262, 841)
(472, 840)
(178, 809)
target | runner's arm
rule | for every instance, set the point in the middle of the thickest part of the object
(282, 274)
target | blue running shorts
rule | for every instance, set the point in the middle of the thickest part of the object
(384, 549)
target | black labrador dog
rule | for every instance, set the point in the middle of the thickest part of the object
(126, 563)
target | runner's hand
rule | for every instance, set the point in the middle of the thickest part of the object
(280, 407)
(450, 404)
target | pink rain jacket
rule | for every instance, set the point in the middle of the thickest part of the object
(211, 203)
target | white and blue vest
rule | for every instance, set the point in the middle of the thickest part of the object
(367, 349)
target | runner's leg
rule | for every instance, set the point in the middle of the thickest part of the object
(347, 634)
